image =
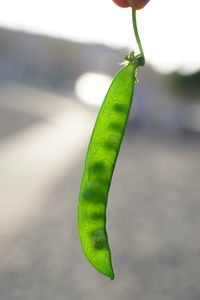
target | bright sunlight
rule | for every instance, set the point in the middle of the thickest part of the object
(168, 32)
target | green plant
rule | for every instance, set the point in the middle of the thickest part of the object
(100, 161)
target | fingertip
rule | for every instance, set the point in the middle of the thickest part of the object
(121, 3)
(137, 4)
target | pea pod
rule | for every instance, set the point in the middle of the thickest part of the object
(99, 165)
(100, 162)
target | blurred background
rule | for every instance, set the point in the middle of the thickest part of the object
(57, 59)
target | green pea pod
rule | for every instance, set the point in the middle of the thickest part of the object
(100, 161)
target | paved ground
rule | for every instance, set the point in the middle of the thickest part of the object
(153, 212)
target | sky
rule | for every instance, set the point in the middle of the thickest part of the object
(169, 29)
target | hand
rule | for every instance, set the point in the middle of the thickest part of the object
(135, 4)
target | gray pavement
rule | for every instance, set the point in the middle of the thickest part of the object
(42, 138)
(153, 221)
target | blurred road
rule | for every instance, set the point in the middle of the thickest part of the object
(41, 137)
(153, 211)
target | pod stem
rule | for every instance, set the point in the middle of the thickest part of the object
(134, 20)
